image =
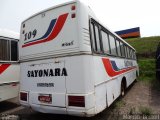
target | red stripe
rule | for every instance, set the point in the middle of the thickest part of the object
(110, 71)
(3, 67)
(134, 34)
(59, 25)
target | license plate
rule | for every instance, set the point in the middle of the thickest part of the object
(46, 98)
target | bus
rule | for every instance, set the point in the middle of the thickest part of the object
(9, 65)
(71, 63)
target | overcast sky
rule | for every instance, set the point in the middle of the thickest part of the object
(115, 14)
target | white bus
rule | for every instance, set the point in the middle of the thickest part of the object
(9, 66)
(72, 64)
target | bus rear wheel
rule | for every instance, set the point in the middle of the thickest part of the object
(122, 89)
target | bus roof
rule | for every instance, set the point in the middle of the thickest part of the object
(92, 14)
(9, 34)
(55, 6)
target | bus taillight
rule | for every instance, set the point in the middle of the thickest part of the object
(14, 84)
(73, 7)
(77, 101)
(23, 96)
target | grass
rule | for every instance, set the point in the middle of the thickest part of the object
(145, 111)
(119, 104)
(146, 46)
(147, 70)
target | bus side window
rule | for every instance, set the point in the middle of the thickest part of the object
(14, 51)
(126, 53)
(4, 50)
(93, 37)
(118, 47)
(122, 49)
(97, 39)
(134, 56)
(113, 45)
(105, 41)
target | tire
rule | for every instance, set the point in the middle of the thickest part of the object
(122, 89)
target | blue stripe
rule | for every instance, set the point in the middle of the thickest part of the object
(50, 28)
(114, 66)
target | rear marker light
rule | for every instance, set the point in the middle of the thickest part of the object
(14, 84)
(23, 25)
(73, 7)
(77, 101)
(23, 32)
(73, 15)
(23, 96)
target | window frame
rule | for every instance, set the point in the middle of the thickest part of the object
(103, 30)
(9, 42)
(94, 23)
(102, 52)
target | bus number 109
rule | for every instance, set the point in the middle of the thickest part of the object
(30, 34)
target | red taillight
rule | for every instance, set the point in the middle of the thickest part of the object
(77, 101)
(23, 96)
(73, 15)
(73, 7)
(14, 84)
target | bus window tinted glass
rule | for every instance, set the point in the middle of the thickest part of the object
(97, 39)
(93, 37)
(14, 51)
(118, 47)
(105, 42)
(112, 44)
(122, 49)
(4, 50)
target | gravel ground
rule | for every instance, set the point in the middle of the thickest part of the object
(138, 97)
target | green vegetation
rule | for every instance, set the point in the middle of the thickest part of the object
(145, 111)
(147, 70)
(119, 104)
(146, 49)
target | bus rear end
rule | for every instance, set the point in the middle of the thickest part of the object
(53, 73)
(51, 32)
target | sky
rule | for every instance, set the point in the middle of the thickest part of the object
(115, 14)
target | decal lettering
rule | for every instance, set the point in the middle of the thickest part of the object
(29, 35)
(47, 72)
(45, 84)
(67, 44)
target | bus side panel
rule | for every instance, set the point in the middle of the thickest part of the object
(107, 89)
(10, 74)
(108, 85)
(9, 82)
(8, 91)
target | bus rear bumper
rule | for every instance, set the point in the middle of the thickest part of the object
(65, 111)
(48, 109)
